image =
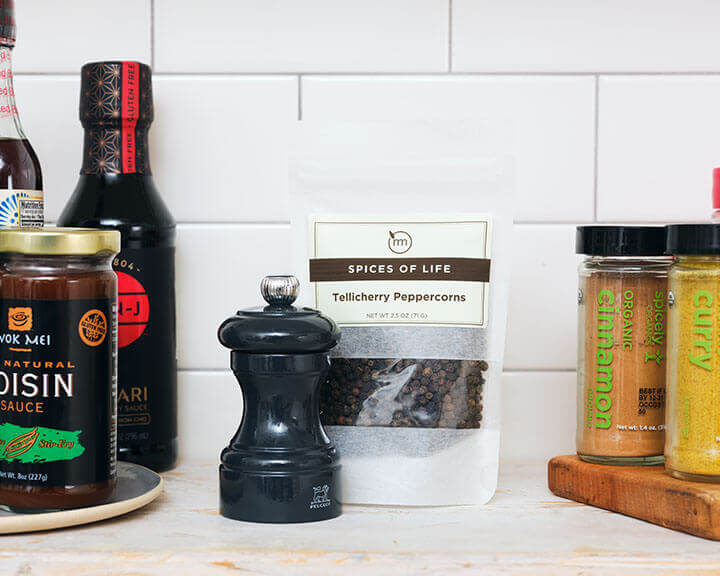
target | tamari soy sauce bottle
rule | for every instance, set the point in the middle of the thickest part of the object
(116, 191)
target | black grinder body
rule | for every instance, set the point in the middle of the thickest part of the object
(280, 466)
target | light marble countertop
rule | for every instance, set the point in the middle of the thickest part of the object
(523, 529)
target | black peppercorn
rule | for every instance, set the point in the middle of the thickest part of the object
(420, 393)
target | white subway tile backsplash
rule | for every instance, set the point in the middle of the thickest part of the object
(538, 415)
(219, 146)
(219, 269)
(658, 144)
(301, 36)
(542, 325)
(234, 76)
(49, 112)
(209, 412)
(585, 36)
(553, 120)
(62, 36)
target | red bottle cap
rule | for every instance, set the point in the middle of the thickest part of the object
(716, 189)
(7, 23)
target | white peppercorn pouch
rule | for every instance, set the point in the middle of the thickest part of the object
(409, 252)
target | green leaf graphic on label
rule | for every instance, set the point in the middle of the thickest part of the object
(35, 445)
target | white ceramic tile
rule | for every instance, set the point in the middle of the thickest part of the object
(658, 144)
(585, 36)
(209, 412)
(49, 112)
(219, 146)
(62, 36)
(542, 321)
(219, 268)
(553, 123)
(538, 415)
(308, 36)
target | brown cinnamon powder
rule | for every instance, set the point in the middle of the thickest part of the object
(621, 366)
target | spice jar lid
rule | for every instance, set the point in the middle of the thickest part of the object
(693, 239)
(620, 240)
(59, 241)
(279, 327)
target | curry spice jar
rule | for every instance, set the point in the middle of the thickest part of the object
(622, 314)
(58, 309)
(692, 446)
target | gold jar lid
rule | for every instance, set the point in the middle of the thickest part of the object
(59, 241)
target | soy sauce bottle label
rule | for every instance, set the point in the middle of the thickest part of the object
(57, 392)
(147, 394)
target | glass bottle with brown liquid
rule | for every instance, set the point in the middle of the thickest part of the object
(21, 195)
(116, 191)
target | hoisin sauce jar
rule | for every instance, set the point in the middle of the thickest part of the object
(58, 357)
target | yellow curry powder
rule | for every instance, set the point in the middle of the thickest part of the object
(692, 448)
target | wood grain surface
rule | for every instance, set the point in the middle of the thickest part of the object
(644, 492)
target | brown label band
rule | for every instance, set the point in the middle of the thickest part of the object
(349, 269)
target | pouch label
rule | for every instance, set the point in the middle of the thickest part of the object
(378, 269)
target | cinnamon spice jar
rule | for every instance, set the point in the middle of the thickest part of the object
(622, 315)
(58, 357)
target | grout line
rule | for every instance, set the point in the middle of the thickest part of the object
(278, 223)
(300, 95)
(205, 370)
(506, 371)
(509, 371)
(579, 221)
(152, 34)
(596, 150)
(450, 35)
(445, 74)
(286, 223)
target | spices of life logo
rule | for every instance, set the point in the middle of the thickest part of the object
(399, 242)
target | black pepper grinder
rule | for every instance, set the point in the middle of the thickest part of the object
(280, 465)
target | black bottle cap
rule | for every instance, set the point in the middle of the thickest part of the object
(115, 92)
(693, 239)
(620, 240)
(279, 327)
(7, 23)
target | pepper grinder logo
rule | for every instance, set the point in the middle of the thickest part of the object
(399, 242)
(20, 319)
(320, 497)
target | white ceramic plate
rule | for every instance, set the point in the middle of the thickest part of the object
(136, 487)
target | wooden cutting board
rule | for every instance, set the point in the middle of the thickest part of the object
(644, 492)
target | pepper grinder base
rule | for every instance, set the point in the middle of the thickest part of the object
(280, 498)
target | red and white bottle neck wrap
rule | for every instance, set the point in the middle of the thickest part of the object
(10, 126)
(116, 112)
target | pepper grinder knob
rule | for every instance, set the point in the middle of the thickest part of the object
(279, 290)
